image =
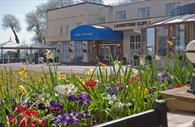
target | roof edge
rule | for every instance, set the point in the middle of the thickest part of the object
(79, 4)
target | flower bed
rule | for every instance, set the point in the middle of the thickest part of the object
(97, 96)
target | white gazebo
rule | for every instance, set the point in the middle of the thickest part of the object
(9, 48)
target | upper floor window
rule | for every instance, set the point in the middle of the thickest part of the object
(143, 12)
(120, 15)
(78, 23)
(67, 29)
(171, 8)
(102, 19)
(61, 30)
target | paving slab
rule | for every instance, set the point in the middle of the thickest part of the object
(181, 119)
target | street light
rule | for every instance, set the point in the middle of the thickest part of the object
(190, 53)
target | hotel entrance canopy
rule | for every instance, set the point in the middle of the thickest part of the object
(177, 19)
(92, 32)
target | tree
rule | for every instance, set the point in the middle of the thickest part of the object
(36, 23)
(10, 21)
(52, 4)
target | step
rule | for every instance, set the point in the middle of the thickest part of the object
(179, 99)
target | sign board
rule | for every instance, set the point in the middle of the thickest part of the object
(132, 24)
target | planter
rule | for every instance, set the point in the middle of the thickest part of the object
(156, 117)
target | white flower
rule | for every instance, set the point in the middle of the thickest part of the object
(110, 98)
(119, 105)
(49, 54)
(129, 104)
(111, 102)
(66, 90)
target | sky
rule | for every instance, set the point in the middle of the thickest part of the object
(19, 8)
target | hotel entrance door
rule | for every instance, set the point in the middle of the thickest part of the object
(107, 52)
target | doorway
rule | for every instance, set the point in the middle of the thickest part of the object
(107, 52)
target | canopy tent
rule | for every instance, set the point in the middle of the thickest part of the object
(93, 32)
(10, 47)
(176, 19)
(32, 46)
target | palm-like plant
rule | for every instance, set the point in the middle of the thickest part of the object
(10, 21)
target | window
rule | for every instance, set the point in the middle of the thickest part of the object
(138, 38)
(66, 53)
(171, 8)
(78, 23)
(132, 38)
(143, 12)
(67, 29)
(120, 15)
(61, 30)
(102, 19)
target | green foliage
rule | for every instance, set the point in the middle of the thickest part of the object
(119, 91)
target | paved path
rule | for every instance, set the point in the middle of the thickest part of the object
(39, 67)
(181, 119)
(63, 68)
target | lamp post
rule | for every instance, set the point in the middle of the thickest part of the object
(190, 53)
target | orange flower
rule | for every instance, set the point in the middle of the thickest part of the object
(134, 79)
(90, 84)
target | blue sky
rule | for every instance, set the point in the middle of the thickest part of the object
(19, 8)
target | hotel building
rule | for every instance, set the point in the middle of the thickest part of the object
(89, 32)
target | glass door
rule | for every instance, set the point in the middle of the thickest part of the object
(106, 52)
(78, 51)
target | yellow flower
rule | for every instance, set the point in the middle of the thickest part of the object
(22, 72)
(170, 43)
(89, 71)
(157, 57)
(49, 54)
(22, 89)
(104, 66)
(61, 76)
(142, 61)
(145, 91)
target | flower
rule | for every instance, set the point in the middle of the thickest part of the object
(170, 43)
(84, 98)
(90, 84)
(134, 79)
(55, 107)
(89, 71)
(49, 54)
(11, 119)
(28, 117)
(66, 90)
(110, 98)
(22, 89)
(104, 66)
(43, 122)
(61, 76)
(157, 57)
(119, 105)
(142, 61)
(20, 109)
(22, 72)
(145, 91)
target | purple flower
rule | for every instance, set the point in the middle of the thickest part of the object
(84, 98)
(60, 107)
(72, 98)
(58, 119)
(111, 90)
(55, 107)
(53, 104)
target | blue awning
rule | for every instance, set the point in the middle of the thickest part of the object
(92, 32)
